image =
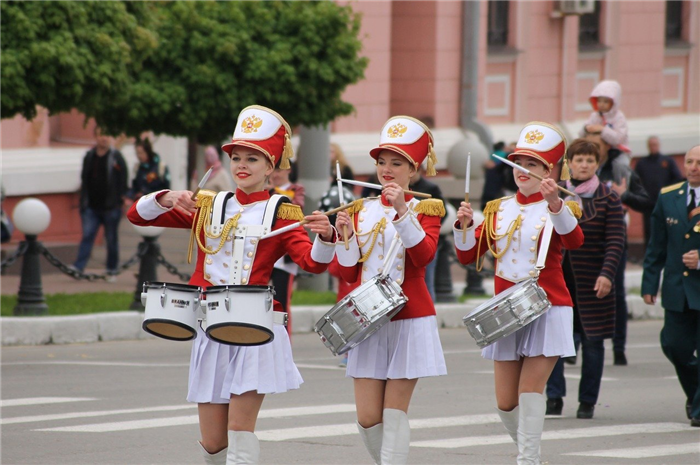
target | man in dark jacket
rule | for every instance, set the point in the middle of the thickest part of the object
(103, 187)
(655, 171)
(615, 171)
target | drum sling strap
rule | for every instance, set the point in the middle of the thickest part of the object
(544, 247)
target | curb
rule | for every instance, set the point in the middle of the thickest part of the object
(125, 326)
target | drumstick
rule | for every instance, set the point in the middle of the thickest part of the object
(201, 184)
(466, 194)
(379, 187)
(530, 173)
(283, 230)
(341, 197)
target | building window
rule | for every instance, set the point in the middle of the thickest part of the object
(498, 23)
(674, 21)
(589, 27)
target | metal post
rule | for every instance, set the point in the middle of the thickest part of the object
(30, 298)
(148, 269)
(443, 275)
(474, 282)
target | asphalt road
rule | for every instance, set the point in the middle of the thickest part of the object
(123, 403)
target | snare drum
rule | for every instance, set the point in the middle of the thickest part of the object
(507, 312)
(239, 315)
(360, 313)
(171, 310)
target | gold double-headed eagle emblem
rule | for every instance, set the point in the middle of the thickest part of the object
(251, 124)
(396, 130)
(534, 137)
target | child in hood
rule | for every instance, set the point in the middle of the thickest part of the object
(607, 119)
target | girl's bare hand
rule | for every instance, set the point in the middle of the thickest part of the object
(179, 200)
(465, 214)
(318, 223)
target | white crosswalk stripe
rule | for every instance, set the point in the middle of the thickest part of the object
(323, 412)
(576, 433)
(42, 401)
(666, 450)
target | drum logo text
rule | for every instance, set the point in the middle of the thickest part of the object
(180, 303)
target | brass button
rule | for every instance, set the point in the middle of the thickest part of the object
(380, 244)
(253, 241)
(532, 273)
(543, 219)
(364, 281)
(500, 217)
(228, 239)
(532, 249)
(364, 268)
(522, 209)
(687, 236)
(244, 281)
(515, 261)
(359, 230)
(360, 219)
(381, 257)
(685, 273)
(222, 281)
(538, 226)
(534, 238)
(498, 227)
(500, 272)
(225, 265)
(241, 210)
(398, 281)
(209, 247)
(246, 267)
(515, 250)
(364, 209)
(515, 239)
(380, 269)
(515, 275)
(387, 211)
(250, 254)
(209, 261)
(500, 209)
(532, 261)
(207, 275)
(227, 252)
(399, 255)
(399, 267)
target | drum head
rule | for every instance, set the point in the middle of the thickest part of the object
(240, 334)
(168, 329)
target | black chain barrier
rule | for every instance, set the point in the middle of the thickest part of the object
(9, 261)
(79, 275)
(172, 269)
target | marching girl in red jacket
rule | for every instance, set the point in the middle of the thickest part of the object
(387, 365)
(229, 382)
(512, 230)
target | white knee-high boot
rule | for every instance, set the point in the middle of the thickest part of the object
(243, 448)
(213, 459)
(396, 438)
(530, 423)
(372, 437)
(510, 421)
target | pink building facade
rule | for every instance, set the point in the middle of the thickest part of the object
(533, 64)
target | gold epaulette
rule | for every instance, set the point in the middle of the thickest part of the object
(431, 207)
(492, 206)
(289, 211)
(205, 197)
(672, 188)
(356, 207)
(575, 208)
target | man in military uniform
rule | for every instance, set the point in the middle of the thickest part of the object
(674, 247)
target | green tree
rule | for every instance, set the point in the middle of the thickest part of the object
(64, 55)
(214, 58)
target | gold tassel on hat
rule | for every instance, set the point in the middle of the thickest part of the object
(565, 174)
(432, 161)
(287, 153)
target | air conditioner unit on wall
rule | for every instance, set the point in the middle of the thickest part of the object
(576, 7)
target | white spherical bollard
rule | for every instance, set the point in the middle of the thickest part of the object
(31, 216)
(149, 231)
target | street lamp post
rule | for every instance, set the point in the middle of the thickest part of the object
(32, 217)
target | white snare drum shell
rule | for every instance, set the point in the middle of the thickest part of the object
(239, 315)
(170, 310)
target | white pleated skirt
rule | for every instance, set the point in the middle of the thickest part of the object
(551, 335)
(401, 349)
(219, 370)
